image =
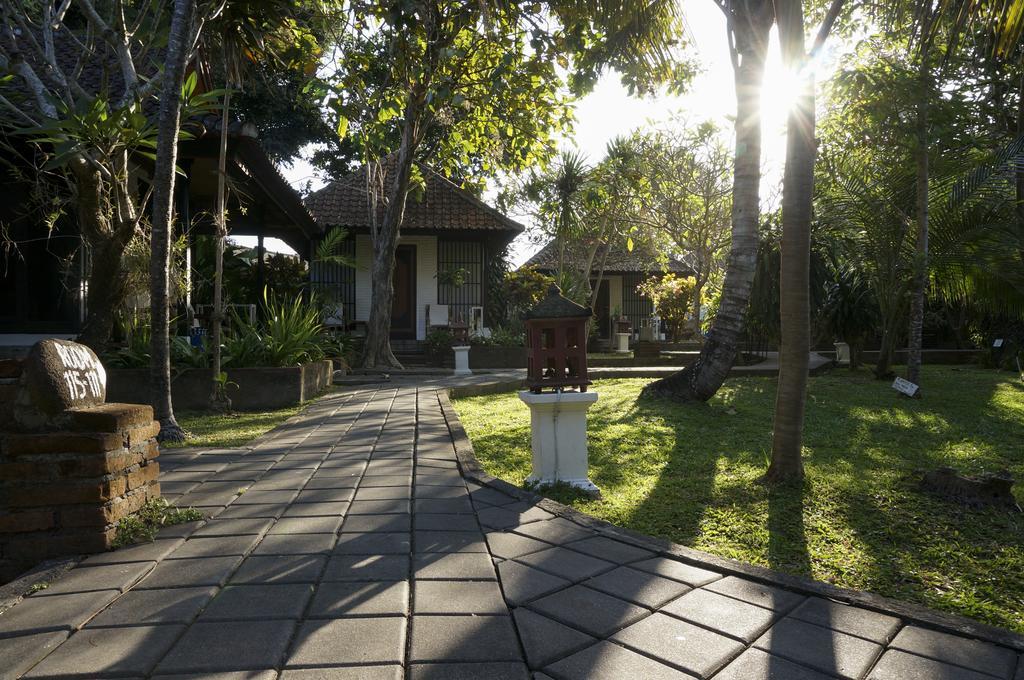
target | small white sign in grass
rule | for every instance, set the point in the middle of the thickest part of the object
(905, 386)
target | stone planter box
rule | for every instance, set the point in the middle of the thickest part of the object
(481, 356)
(259, 389)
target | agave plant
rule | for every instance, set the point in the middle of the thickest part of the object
(289, 334)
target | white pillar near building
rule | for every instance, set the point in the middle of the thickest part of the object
(558, 423)
(462, 360)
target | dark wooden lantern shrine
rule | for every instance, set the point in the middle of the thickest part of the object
(556, 341)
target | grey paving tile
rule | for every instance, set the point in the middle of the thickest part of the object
(641, 587)
(295, 544)
(242, 602)
(373, 544)
(756, 593)
(103, 652)
(475, 566)
(261, 497)
(449, 541)
(390, 672)
(676, 570)
(385, 523)
(306, 525)
(754, 664)
(325, 496)
(401, 507)
(557, 530)
(442, 493)
(172, 605)
(679, 643)
(383, 493)
(546, 640)
(57, 612)
(511, 516)
(352, 598)
(220, 546)
(367, 568)
(973, 654)
(386, 480)
(280, 569)
(509, 545)
(566, 563)
(201, 571)
(445, 522)
(610, 550)
(522, 584)
(469, 671)
(265, 511)
(234, 527)
(463, 638)
(458, 597)
(183, 530)
(226, 675)
(899, 665)
(844, 618)
(349, 641)
(18, 654)
(443, 505)
(142, 552)
(731, 617)
(820, 648)
(229, 646)
(589, 610)
(490, 496)
(606, 661)
(316, 510)
(103, 577)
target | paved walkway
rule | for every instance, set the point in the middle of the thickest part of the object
(349, 545)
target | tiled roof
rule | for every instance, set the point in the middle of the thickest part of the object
(619, 260)
(443, 205)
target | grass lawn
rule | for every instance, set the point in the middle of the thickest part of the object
(228, 430)
(688, 473)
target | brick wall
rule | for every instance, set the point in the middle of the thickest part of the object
(62, 493)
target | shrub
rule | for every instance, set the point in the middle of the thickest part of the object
(290, 334)
(672, 297)
(439, 341)
(508, 335)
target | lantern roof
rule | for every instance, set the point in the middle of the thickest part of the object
(557, 306)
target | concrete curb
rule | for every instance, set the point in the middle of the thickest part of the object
(909, 612)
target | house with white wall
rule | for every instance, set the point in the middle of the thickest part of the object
(623, 271)
(450, 253)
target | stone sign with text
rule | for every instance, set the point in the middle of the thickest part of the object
(58, 375)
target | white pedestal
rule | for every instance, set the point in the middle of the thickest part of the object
(622, 343)
(842, 353)
(558, 423)
(462, 360)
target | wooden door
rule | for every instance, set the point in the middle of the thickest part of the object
(403, 304)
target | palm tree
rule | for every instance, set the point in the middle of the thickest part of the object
(180, 42)
(749, 23)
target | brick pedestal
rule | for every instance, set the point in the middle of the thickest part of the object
(62, 493)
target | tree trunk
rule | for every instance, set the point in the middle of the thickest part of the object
(218, 397)
(377, 346)
(794, 279)
(107, 240)
(917, 296)
(163, 215)
(701, 380)
(698, 289)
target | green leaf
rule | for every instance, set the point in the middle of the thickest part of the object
(342, 127)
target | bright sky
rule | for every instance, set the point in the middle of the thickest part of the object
(609, 111)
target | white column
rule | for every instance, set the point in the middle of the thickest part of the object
(462, 360)
(558, 423)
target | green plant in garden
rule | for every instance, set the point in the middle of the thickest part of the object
(290, 334)
(439, 341)
(156, 514)
(671, 296)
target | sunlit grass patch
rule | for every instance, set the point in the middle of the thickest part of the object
(689, 473)
(225, 430)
